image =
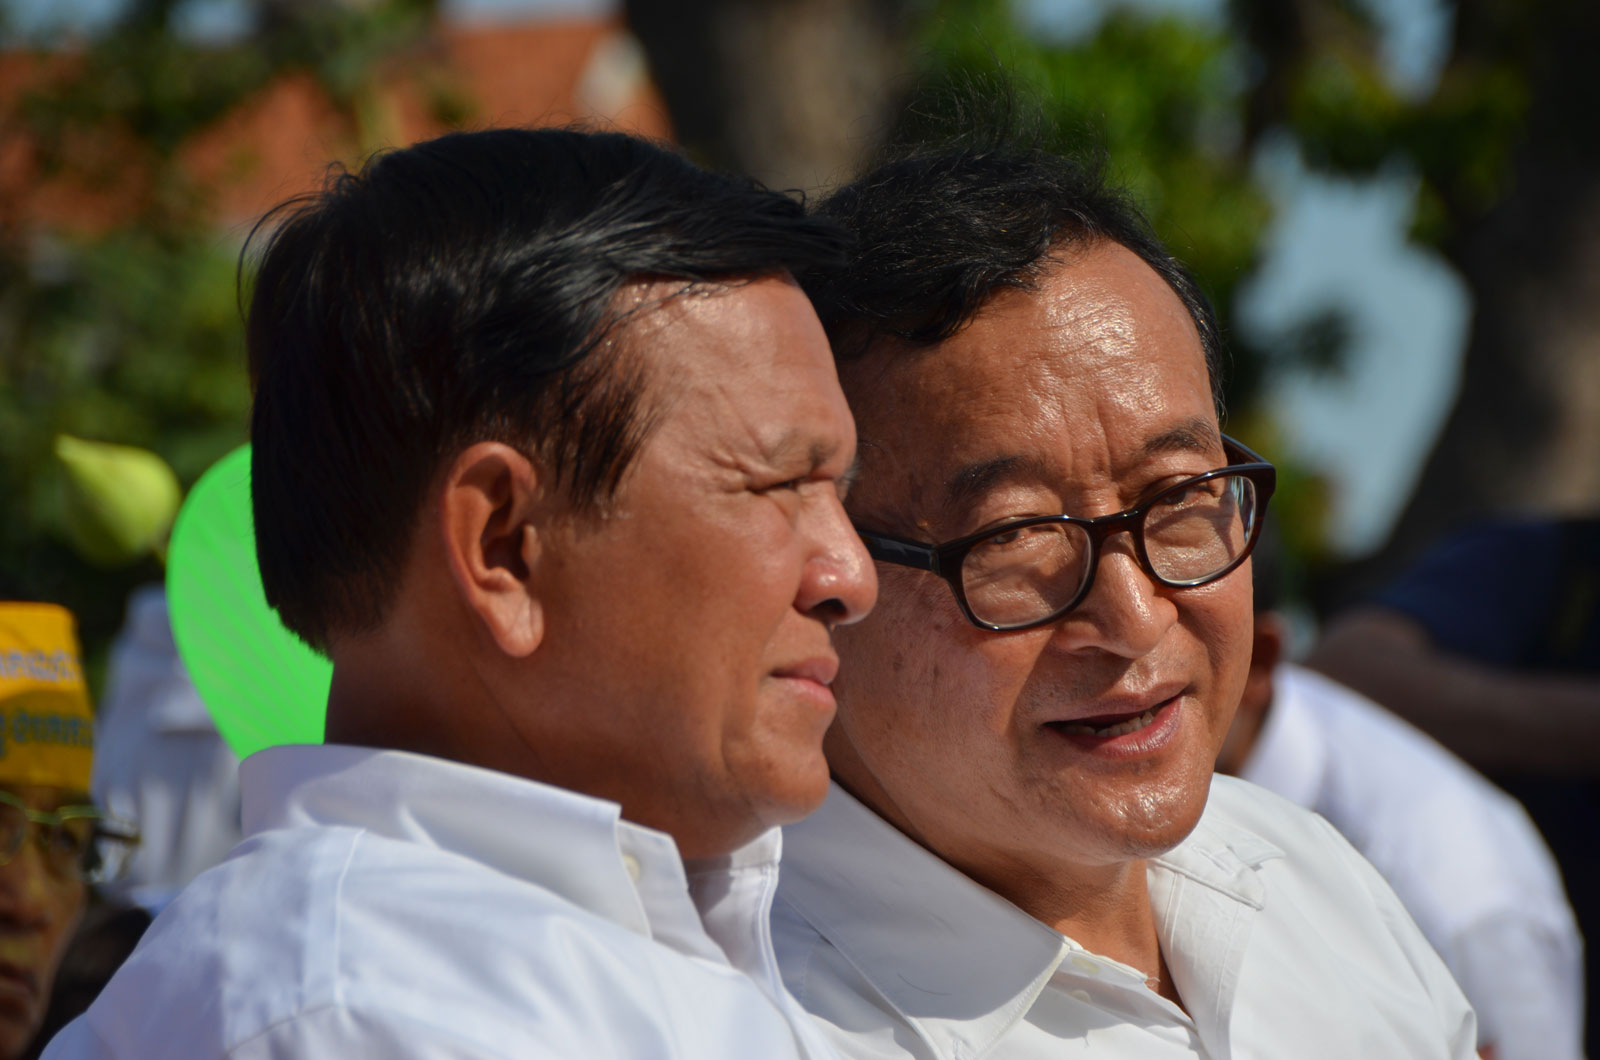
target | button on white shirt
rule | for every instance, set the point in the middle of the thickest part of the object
(398, 906)
(1281, 940)
(1461, 854)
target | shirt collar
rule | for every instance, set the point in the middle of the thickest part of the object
(1205, 892)
(1290, 756)
(1218, 855)
(571, 844)
(961, 964)
(955, 959)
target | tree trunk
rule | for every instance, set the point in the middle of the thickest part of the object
(793, 92)
(1524, 434)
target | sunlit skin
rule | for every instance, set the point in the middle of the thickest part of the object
(1084, 396)
(671, 653)
(716, 578)
(39, 911)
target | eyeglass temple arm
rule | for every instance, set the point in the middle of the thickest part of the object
(1242, 453)
(899, 551)
(1239, 453)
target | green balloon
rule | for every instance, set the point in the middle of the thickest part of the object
(262, 684)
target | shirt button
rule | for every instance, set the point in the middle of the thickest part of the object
(1079, 995)
(1085, 965)
(631, 863)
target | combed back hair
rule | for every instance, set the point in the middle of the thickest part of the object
(458, 291)
(943, 225)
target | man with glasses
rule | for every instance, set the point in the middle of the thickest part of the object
(1025, 853)
(54, 843)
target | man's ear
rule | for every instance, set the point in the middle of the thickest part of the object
(1271, 635)
(489, 508)
(1256, 699)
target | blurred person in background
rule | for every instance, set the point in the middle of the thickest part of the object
(1490, 643)
(54, 843)
(1026, 853)
(547, 454)
(161, 763)
(1462, 855)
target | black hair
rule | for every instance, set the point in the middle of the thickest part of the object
(458, 291)
(943, 224)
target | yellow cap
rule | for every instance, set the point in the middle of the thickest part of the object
(46, 726)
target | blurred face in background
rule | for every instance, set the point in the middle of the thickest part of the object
(1087, 742)
(42, 899)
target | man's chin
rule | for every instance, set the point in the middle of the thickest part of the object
(796, 794)
(1150, 826)
(745, 811)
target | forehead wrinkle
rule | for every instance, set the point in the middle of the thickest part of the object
(794, 446)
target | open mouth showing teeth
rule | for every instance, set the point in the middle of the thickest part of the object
(1106, 731)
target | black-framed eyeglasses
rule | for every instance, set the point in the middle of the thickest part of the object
(75, 842)
(1032, 571)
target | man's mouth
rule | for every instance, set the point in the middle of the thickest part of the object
(17, 979)
(1123, 731)
(1106, 728)
(821, 669)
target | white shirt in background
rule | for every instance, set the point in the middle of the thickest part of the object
(390, 905)
(1283, 943)
(1461, 854)
(159, 761)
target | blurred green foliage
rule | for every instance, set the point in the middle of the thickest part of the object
(134, 335)
(132, 338)
(155, 90)
(1320, 72)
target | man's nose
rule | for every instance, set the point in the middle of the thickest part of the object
(840, 582)
(1126, 612)
(26, 889)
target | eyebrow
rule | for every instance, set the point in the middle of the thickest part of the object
(971, 482)
(1197, 435)
(787, 450)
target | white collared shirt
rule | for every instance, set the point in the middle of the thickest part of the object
(1283, 943)
(1461, 854)
(390, 905)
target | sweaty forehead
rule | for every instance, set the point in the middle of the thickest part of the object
(1094, 374)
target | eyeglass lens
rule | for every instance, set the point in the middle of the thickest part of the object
(67, 845)
(1191, 533)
